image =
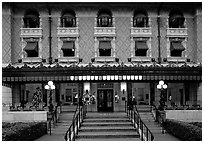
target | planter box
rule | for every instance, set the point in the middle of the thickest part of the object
(24, 116)
(184, 115)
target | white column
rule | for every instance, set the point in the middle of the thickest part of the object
(150, 47)
(113, 46)
(132, 47)
(168, 47)
(77, 46)
(40, 25)
(40, 48)
(185, 46)
(59, 21)
(150, 22)
(59, 47)
(96, 46)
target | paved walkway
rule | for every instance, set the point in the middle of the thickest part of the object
(60, 129)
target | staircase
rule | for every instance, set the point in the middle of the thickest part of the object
(107, 127)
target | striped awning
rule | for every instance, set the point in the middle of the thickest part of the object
(142, 45)
(31, 46)
(177, 46)
(68, 45)
(105, 45)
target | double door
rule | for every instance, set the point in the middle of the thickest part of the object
(105, 100)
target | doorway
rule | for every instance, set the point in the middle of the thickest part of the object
(105, 100)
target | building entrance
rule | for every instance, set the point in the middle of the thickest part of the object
(105, 100)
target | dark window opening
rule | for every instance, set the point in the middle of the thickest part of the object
(32, 49)
(105, 48)
(31, 20)
(104, 52)
(68, 49)
(104, 18)
(141, 52)
(69, 53)
(176, 20)
(176, 53)
(68, 19)
(176, 49)
(140, 19)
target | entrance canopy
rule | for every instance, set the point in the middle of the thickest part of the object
(59, 73)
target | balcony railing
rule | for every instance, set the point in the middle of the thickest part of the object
(31, 32)
(67, 31)
(177, 32)
(141, 31)
(104, 31)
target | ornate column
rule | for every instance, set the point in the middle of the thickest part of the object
(113, 45)
(95, 46)
(40, 47)
(59, 47)
(132, 47)
(77, 46)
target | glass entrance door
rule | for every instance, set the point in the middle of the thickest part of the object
(105, 100)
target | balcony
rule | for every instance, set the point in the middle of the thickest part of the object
(141, 32)
(67, 32)
(105, 59)
(104, 31)
(31, 32)
(140, 59)
(177, 32)
(32, 60)
(69, 60)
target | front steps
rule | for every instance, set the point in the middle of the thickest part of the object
(113, 126)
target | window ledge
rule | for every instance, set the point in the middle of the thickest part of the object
(68, 60)
(105, 59)
(177, 59)
(140, 59)
(32, 60)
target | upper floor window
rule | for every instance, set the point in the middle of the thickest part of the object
(31, 49)
(68, 19)
(140, 19)
(31, 19)
(176, 19)
(68, 49)
(176, 49)
(105, 48)
(141, 48)
(104, 18)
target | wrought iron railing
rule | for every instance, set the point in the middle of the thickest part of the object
(132, 113)
(78, 117)
(159, 118)
(52, 119)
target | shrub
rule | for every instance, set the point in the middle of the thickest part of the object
(183, 130)
(20, 131)
(199, 124)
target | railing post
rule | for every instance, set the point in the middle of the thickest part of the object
(141, 130)
(147, 133)
(73, 129)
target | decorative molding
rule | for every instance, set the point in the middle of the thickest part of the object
(177, 32)
(67, 32)
(104, 31)
(31, 32)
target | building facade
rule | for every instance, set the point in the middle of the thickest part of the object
(106, 52)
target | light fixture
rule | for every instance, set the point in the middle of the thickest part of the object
(108, 77)
(86, 86)
(88, 77)
(92, 77)
(112, 77)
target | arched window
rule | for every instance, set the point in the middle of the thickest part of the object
(176, 19)
(68, 19)
(140, 19)
(31, 19)
(104, 18)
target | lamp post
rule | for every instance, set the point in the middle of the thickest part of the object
(161, 86)
(50, 86)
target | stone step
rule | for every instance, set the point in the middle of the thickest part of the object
(109, 139)
(113, 129)
(108, 135)
(106, 120)
(107, 124)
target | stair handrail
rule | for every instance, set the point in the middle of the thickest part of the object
(138, 123)
(159, 118)
(73, 129)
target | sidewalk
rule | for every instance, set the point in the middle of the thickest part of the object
(59, 130)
